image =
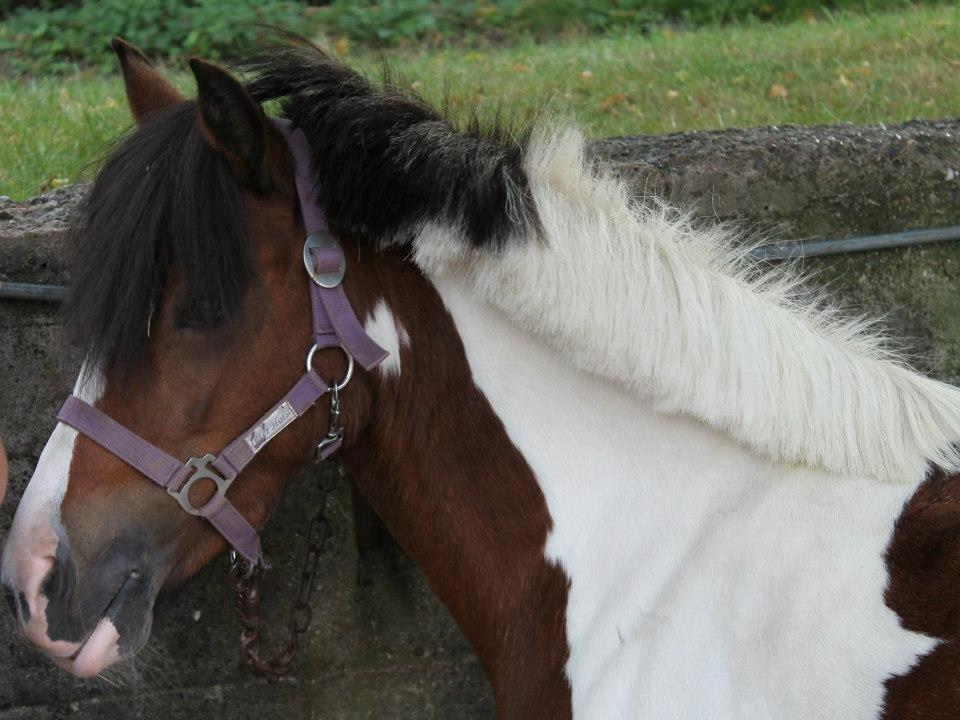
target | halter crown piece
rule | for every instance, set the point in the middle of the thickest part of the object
(334, 325)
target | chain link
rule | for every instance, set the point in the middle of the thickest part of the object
(245, 583)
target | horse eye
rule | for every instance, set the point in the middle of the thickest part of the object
(199, 315)
(190, 323)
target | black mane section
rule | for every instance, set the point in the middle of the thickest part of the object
(387, 162)
(164, 200)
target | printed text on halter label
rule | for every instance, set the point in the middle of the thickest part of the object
(272, 424)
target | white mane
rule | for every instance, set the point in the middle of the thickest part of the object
(634, 293)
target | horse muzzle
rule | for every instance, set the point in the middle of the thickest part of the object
(85, 620)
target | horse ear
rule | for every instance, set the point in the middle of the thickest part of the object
(233, 123)
(148, 91)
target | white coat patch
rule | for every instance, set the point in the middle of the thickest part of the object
(389, 334)
(705, 581)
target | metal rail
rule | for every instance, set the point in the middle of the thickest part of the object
(30, 291)
(792, 249)
(786, 250)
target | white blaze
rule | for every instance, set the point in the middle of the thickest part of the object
(34, 535)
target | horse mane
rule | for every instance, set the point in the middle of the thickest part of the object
(387, 162)
(635, 292)
(629, 290)
(164, 201)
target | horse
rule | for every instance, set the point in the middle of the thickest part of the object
(647, 476)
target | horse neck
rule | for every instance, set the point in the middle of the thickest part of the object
(574, 532)
(677, 538)
(438, 468)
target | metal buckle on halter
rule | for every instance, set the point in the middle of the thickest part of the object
(201, 471)
(324, 239)
(334, 429)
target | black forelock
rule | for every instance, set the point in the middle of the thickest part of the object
(388, 162)
(164, 201)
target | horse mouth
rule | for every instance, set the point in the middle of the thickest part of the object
(101, 648)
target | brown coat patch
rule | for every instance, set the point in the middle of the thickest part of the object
(439, 468)
(923, 561)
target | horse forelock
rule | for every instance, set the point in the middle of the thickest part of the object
(163, 202)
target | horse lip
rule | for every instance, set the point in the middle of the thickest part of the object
(111, 611)
(108, 615)
(98, 651)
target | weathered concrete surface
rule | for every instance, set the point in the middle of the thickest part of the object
(382, 646)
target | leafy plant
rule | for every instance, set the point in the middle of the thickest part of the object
(37, 39)
(57, 35)
(387, 22)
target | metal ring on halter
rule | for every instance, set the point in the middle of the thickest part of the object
(346, 378)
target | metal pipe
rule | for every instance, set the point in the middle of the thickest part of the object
(30, 291)
(791, 249)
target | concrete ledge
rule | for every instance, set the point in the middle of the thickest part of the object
(828, 181)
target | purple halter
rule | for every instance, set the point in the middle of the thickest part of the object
(334, 325)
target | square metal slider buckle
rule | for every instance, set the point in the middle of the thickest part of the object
(201, 471)
(329, 279)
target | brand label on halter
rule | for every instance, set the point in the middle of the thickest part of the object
(272, 424)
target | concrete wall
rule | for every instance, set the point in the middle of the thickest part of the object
(381, 646)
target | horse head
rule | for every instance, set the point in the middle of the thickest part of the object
(190, 295)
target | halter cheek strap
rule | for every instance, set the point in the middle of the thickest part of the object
(334, 325)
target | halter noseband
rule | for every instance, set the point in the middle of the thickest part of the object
(334, 325)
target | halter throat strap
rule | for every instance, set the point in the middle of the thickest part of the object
(334, 325)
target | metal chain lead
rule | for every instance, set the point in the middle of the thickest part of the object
(245, 583)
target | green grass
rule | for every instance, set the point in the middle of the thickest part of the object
(860, 69)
